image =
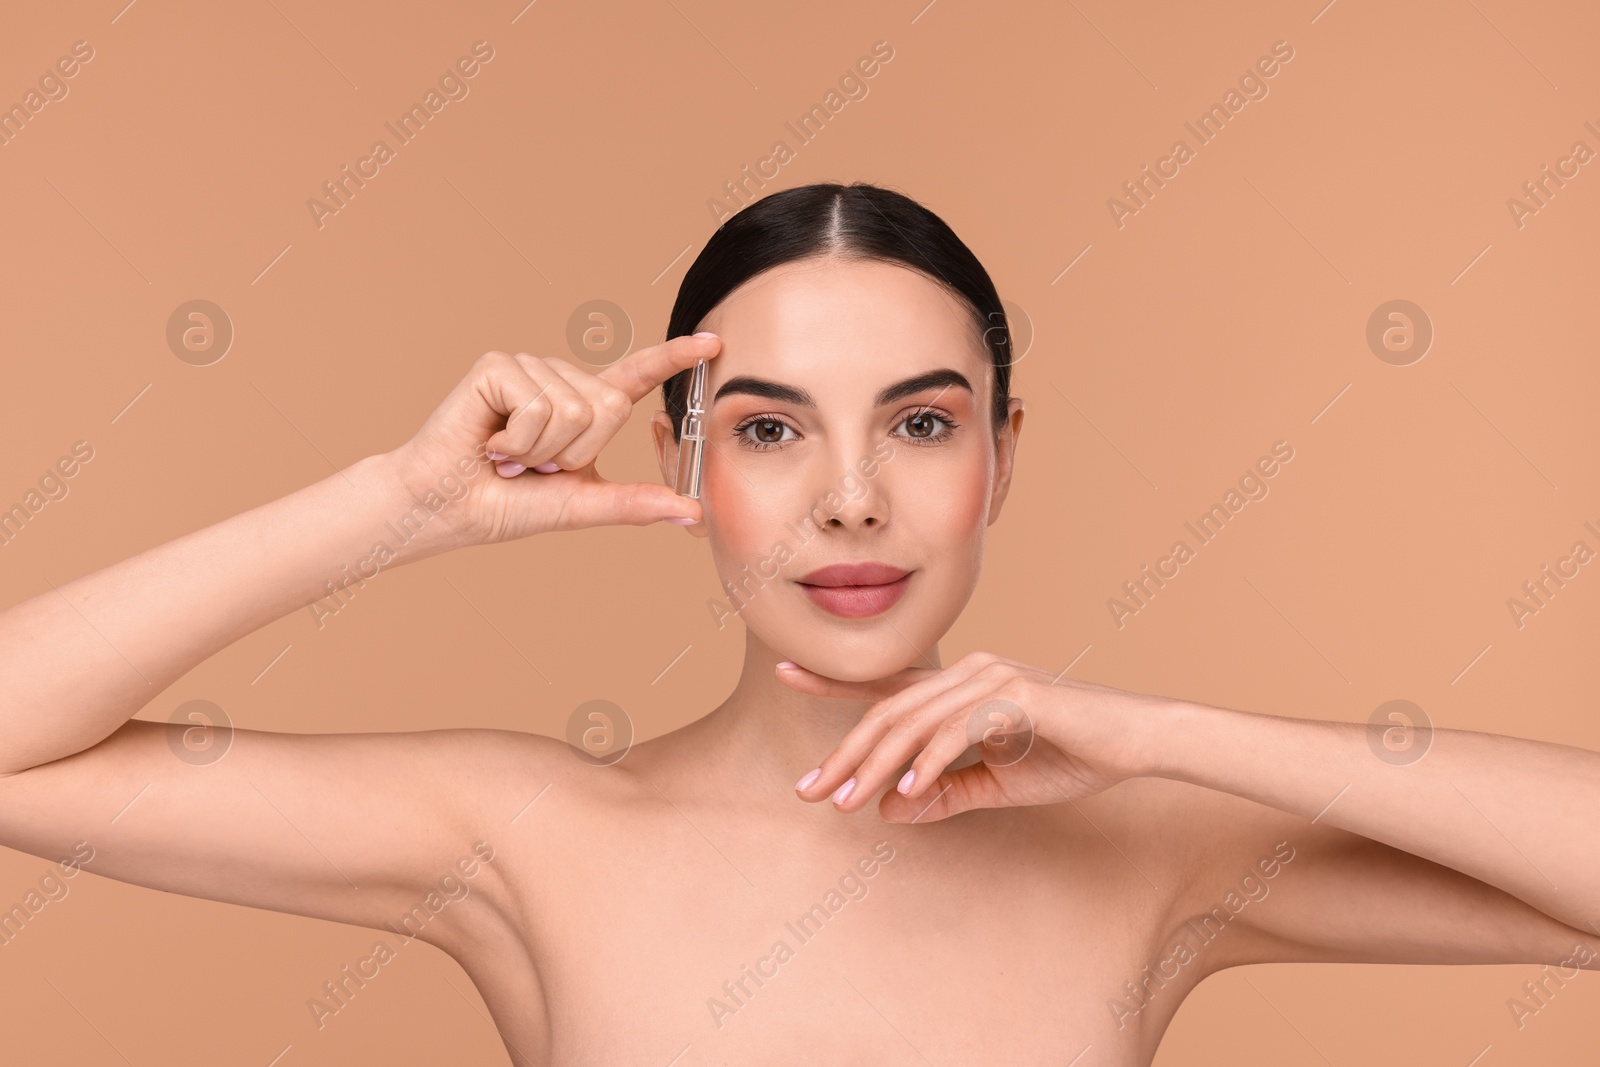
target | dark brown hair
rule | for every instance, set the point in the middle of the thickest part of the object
(855, 221)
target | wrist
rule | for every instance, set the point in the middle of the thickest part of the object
(418, 513)
(1163, 736)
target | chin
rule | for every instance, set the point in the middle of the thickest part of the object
(859, 658)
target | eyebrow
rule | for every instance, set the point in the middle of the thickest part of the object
(749, 386)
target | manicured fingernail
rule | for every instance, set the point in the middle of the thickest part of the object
(498, 456)
(906, 779)
(842, 794)
(549, 466)
(705, 333)
(684, 522)
(786, 665)
(510, 468)
(808, 779)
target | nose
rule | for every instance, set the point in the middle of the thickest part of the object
(850, 499)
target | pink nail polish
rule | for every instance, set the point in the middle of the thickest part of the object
(788, 665)
(705, 333)
(549, 466)
(905, 781)
(509, 468)
(808, 779)
(684, 522)
(842, 794)
(497, 456)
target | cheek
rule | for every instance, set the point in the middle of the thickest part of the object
(961, 509)
(744, 519)
(951, 529)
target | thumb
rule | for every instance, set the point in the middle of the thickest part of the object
(603, 503)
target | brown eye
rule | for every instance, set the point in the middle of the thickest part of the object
(762, 433)
(927, 427)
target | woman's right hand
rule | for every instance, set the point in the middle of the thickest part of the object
(512, 414)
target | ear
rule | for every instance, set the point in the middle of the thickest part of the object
(667, 458)
(1005, 447)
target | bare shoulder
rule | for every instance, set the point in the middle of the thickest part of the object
(514, 777)
(1201, 847)
(539, 794)
(1187, 829)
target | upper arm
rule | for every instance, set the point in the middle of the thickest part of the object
(357, 828)
(1340, 897)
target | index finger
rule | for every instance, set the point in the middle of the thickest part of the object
(637, 373)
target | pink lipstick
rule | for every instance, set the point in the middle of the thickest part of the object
(855, 590)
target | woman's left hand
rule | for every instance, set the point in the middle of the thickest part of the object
(1043, 740)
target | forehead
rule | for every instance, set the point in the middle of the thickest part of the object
(839, 327)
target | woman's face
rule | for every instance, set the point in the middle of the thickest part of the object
(847, 423)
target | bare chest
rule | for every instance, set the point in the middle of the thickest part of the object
(687, 938)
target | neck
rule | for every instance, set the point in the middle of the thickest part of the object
(778, 733)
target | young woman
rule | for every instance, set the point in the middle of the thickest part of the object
(982, 862)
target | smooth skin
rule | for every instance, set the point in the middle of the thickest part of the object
(999, 909)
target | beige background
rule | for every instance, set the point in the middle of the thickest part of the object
(1228, 314)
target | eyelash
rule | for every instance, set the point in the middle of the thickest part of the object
(745, 440)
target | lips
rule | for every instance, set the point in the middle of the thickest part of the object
(855, 590)
(841, 574)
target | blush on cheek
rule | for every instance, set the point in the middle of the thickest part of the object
(956, 530)
(744, 522)
(962, 508)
